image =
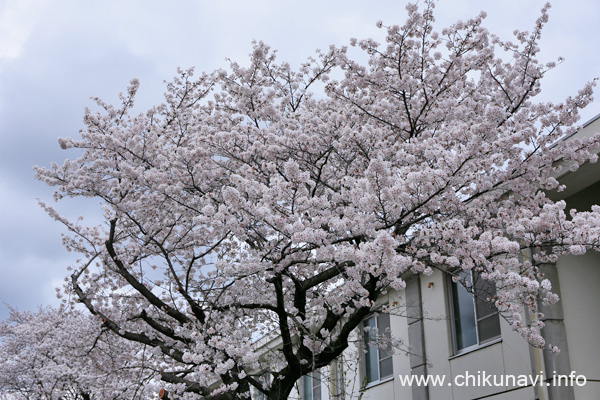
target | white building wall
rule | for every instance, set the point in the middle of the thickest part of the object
(580, 287)
(508, 355)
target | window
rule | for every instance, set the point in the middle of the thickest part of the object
(378, 361)
(311, 386)
(474, 320)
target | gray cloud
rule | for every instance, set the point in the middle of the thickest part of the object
(74, 50)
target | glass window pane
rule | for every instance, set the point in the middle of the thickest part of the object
(371, 355)
(489, 328)
(484, 289)
(307, 388)
(383, 324)
(317, 393)
(370, 323)
(316, 378)
(378, 361)
(385, 367)
(464, 317)
(484, 308)
(371, 363)
(384, 353)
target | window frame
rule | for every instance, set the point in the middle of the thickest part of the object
(366, 348)
(474, 279)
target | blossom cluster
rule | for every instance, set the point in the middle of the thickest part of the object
(247, 206)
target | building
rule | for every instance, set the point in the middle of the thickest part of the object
(465, 346)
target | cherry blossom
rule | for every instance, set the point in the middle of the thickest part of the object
(264, 201)
(56, 354)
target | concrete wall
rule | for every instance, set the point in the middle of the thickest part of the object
(580, 288)
(508, 355)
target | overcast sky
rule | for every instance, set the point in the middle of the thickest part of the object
(55, 54)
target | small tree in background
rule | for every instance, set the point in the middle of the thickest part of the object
(57, 354)
(247, 205)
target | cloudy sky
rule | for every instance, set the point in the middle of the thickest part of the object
(55, 54)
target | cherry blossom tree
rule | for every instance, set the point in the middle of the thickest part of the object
(56, 354)
(270, 200)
